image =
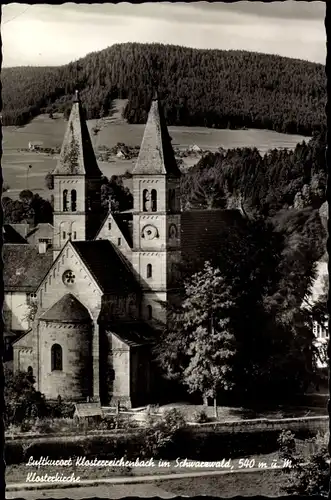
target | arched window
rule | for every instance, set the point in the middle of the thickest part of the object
(56, 357)
(154, 200)
(149, 271)
(73, 200)
(65, 200)
(146, 201)
(149, 312)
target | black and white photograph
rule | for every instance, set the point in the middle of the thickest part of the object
(165, 265)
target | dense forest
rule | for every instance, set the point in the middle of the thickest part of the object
(213, 88)
(246, 310)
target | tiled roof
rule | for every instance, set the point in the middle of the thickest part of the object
(24, 267)
(156, 155)
(77, 155)
(67, 310)
(124, 222)
(12, 234)
(44, 230)
(201, 231)
(106, 265)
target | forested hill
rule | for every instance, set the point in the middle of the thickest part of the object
(211, 88)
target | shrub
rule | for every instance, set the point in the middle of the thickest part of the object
(60, 409)
(286, 442)
(307, 476)
(14, 453)
(42, 426)
(159, 437)
(200, 417)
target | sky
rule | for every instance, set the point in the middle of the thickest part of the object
(51, 35)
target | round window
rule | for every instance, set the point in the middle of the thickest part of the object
(68, 278)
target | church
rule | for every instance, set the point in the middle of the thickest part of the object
(100, 289)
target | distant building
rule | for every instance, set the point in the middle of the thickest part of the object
(320, 330)
(35, 145)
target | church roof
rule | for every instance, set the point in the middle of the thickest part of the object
(77, 155)
(67, 310)
(133, 334)
(24, 267)
(106, 265)
(202, 230)
(124, 220)
(156, 155)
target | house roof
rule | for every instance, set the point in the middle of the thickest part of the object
(156, 155)
(24, 267)
(106, 265)
(12, 234)
(44, 230)
(88, 410)
(77, 155)
(67, 310)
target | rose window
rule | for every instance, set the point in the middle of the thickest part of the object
(68, 278)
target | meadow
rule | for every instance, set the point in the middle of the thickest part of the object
(50, 132)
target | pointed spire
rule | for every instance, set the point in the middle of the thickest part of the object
(77, 155)
(156, 155)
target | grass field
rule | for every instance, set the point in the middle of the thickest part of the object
(112, 131)
(266, 483)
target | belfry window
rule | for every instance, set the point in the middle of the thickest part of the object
(146, 201)
(65, 200)
(73, 200)
(149, 271)
(56, 358)
(154, 200)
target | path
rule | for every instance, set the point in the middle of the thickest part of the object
(102, 491)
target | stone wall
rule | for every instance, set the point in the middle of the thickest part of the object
(73, 382)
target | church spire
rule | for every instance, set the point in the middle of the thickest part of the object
(77, 155)
(156, 155)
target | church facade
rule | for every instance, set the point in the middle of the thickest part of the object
(100, 304)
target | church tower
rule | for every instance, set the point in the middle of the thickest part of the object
(77, 184)
(156, 217)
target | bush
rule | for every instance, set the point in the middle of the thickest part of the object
(159, 437)
(42, 426)
(200, 417)
(60, 409)
(14, 453)
(287, 445)
(307, 476)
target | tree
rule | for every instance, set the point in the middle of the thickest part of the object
(49, 181)
(21, 398)
(115, 195)
(30, 208)
(200, 336)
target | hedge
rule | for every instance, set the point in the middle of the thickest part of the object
(198, 444)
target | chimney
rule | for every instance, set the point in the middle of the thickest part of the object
(42, 246)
